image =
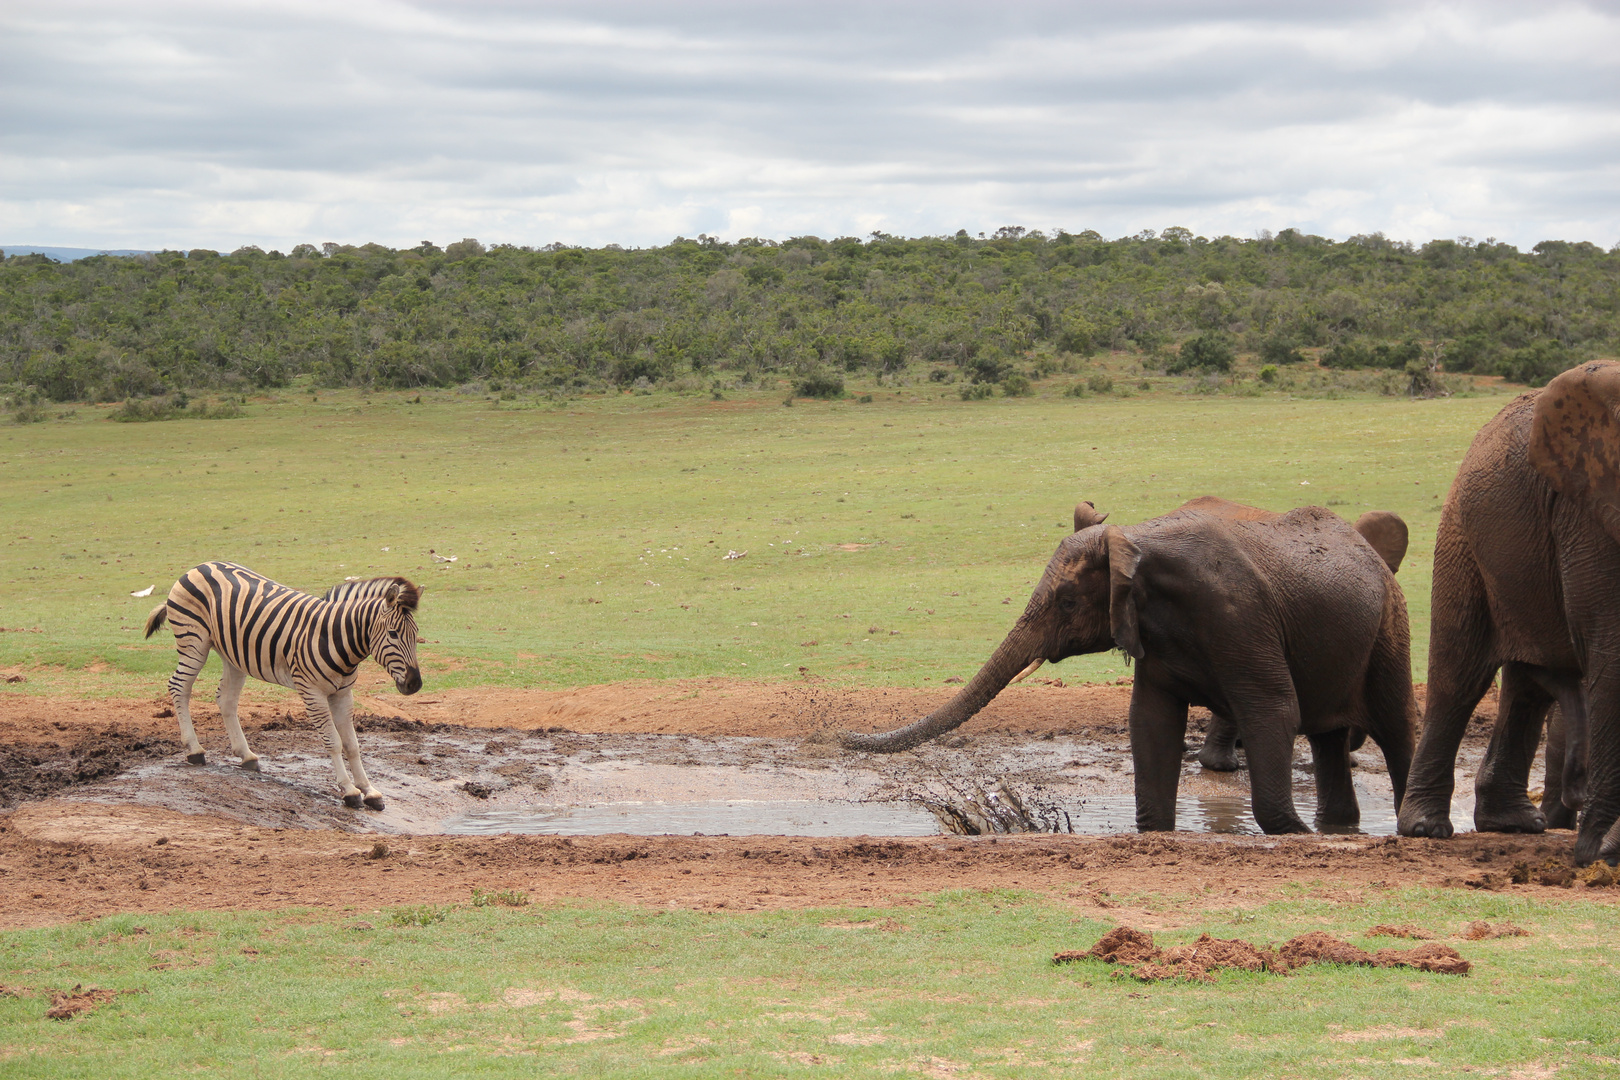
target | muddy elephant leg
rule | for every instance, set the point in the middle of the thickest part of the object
(1461, 666)
(1158, 731)
(1501, 790)
(230, 695)
(1336, 803)
(1597, 836)
(1219, 752)
(1268, 740)
(1558, 815)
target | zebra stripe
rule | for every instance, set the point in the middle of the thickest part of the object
(314, 645)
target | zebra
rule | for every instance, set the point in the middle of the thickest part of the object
(280, 635)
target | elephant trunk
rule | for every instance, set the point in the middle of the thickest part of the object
(1013, 655)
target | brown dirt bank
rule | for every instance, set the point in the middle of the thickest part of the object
(61, 861)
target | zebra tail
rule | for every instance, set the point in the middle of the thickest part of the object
(159, 616)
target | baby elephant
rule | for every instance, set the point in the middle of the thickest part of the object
(1288, 624)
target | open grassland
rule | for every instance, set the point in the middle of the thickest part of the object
(889, 542)
(958, 984)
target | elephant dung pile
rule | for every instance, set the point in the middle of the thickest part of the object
(1199, 961)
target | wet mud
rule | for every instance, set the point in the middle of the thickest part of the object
(709, 795)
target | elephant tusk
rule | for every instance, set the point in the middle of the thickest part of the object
(1027, 672)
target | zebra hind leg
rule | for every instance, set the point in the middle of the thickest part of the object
(342, 717)
(193, 649)
(230, 693)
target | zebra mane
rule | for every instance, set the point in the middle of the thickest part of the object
(409, 594)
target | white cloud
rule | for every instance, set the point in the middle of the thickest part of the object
(279, 123)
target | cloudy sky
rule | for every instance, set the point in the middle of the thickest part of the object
(217, 124)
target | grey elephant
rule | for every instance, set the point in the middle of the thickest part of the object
(1290, 624)
(1388, 535)
(1527, 581)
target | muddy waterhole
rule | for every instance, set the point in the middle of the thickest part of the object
(446, 779)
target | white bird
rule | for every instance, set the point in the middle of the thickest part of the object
(144, 592)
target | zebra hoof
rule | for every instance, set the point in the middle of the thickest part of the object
(352, 801)
(197, 759)
(248, 764)
(375, 802)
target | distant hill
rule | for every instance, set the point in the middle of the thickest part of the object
(68, 254)
(702, 314)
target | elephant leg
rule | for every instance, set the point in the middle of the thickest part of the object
(1390, 709)
(1461, 667)
(1271, 771)
(1553, 808)
(1596, 838)
(1158, 729)
(1501, 790)
(1336, 803)
(1219, 752)
(1573, 734)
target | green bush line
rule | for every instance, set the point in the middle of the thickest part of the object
(702, 313)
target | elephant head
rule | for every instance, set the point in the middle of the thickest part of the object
(1082, 604)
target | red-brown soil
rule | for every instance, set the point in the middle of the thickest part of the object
(62, 860)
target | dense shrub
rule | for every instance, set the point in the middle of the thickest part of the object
(1016, 385)
(1211, 351)
(1537, 364)
(568, 319)
(820, 385)
(976, 391)
(1363, 354)
(1280, 349)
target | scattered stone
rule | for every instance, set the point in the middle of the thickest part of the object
(477, 790)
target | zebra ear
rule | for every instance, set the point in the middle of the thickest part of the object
(392, 594)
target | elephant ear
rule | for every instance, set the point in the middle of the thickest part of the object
(1575, 439)
(1123, 559)
(1387, 534)
(1085, 515)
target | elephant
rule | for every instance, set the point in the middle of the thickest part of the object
(1289, 624)
(1388, 535)
(1527, 581)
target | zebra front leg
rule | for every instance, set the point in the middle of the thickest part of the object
(320, 714)
(230, 692)
(342, 704)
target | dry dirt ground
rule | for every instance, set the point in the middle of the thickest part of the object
(97, 819)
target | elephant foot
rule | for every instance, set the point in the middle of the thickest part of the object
(248, 764)
(1520, 816)
(1218, 758)
(374, 802)
(1608, 850)
(1591, 846)
(1560, 816)
(1574, 796)
(1416, 820)
(352, 801)
(198, 758)
(1282, 825)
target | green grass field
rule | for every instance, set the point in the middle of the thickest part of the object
(884, 540)
(958, 986)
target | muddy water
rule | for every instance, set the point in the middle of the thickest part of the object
(444, 779)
